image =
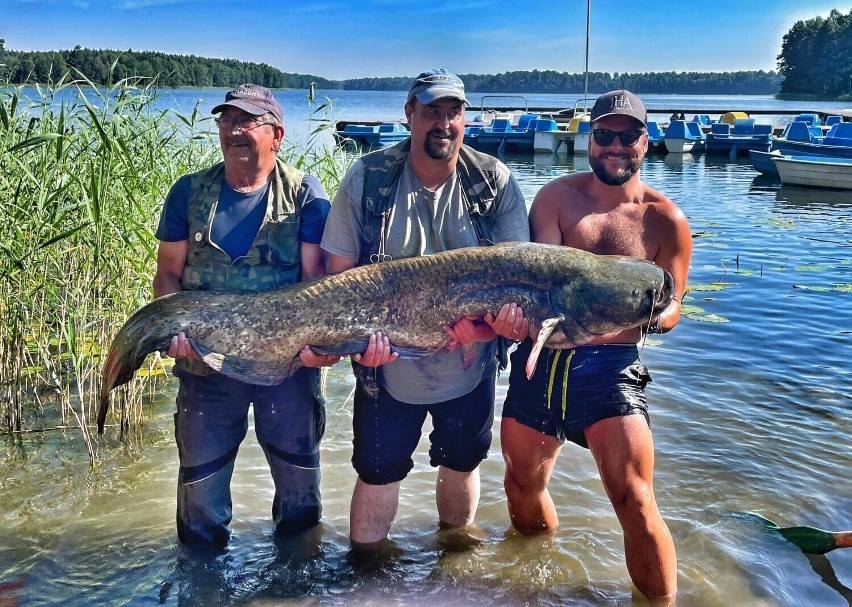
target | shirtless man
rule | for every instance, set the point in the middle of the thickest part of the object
(606, 211)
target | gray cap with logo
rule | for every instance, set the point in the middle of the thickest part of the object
(254, 99)
(437, 84)
(620, 102)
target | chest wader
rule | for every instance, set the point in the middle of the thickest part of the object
(211, 421)
(477, 173)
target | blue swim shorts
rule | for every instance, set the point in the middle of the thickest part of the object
(573, 389)
(387, 431)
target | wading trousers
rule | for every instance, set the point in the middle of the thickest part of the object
(210, 423)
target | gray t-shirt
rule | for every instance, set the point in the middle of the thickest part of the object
(422, 222)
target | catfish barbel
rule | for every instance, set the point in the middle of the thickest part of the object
(570, 296)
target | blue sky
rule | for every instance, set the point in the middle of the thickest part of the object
(348, 39)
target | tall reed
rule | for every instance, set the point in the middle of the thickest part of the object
(82, 180)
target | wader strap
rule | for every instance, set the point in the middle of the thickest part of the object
(193, 474)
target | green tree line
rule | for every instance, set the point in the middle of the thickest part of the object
(23, 67)
(548, 81)
(816, 58)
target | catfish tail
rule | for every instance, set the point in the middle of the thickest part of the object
(143, 333)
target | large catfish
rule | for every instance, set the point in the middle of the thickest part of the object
(569, 296)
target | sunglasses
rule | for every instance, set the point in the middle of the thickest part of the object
(628, 137)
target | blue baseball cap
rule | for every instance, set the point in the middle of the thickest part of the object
(437, 84)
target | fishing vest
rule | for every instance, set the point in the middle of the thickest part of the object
(382, 168)
(274, 259)
(477, 173)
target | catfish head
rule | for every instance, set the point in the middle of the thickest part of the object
(613, 294)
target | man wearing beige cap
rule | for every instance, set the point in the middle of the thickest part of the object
(249, 223)
(594, 394)
(429, 193)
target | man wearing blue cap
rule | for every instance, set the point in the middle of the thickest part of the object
(429, 193)
(249, 223)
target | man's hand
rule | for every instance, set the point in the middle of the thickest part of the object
(313, 359)
(179, 348)
(378, 352)
(509, 322)
(468, 330)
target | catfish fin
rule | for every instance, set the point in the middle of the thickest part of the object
(357, 346)
(468, 355)
(343, 348)
(248, 371)
(548, 326)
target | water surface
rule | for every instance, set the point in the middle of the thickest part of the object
(750, 407)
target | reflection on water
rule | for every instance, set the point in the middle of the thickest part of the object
(750, 407)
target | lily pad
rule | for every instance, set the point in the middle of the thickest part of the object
(782, 223)
(815, 288)
(811, 268)
(713, 286)
(710, 318)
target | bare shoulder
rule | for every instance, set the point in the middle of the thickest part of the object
(566, 184)
(554, 194)
(664, 207)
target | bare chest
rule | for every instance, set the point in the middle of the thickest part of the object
(611, 233)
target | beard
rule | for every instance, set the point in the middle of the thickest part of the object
(439, 151)
(620, 176)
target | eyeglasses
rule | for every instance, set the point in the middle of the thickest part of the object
(628, 137)
(242, 123)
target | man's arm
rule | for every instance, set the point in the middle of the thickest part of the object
(544, 216)
(171, 259)
(674, 255)
(313, 261)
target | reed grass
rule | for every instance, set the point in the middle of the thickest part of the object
(82, 182)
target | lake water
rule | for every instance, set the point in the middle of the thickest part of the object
(750, 406)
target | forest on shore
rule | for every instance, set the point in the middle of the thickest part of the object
(815, 62)
(105, 66)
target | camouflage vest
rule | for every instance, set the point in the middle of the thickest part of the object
(274, 259)
(382, 169)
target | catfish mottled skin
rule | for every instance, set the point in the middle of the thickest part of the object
(569, 296)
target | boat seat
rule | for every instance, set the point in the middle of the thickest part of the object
(541, 125)
(695, 129)
(677, 130)
(720, 128)
(702, 119)
(502, 125)
(841, 129)
(525, 121)
(762, 129)
(809, 119)
(743, 126)
(584, 126)
(655, 133)
(833, 119)
(798, 131)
